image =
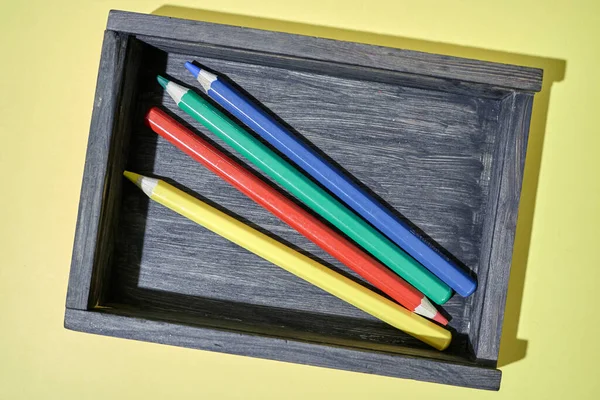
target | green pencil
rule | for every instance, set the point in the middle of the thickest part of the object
(308, 192)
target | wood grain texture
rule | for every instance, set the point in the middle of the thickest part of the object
(82, 292)
(489, 312)
(288, 45)
(443, 145)
(282, 349)
(324, 67)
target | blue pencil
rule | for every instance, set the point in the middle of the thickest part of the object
(333, 179)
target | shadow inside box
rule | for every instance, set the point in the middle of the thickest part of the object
(327, 329)
(135, 288)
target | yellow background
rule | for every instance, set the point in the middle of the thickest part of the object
(50, 52)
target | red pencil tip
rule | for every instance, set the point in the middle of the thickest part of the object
(440, 319)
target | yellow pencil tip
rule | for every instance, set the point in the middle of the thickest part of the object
(133, 177)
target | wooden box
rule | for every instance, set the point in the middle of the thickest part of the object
(442, 140)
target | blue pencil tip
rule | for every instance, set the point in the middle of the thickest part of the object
(163, 81)
(192, 68)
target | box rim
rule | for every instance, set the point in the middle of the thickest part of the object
(283, 350)
(91, 197)
(386, 58)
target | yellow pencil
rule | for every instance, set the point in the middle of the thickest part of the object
(292, 261)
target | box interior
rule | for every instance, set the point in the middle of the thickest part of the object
(430, 161)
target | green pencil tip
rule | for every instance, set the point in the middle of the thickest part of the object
(162, 80)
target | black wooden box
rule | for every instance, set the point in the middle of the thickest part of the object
(442, 140)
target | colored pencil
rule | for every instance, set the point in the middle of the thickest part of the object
(292, 214)
(308, 192)
(292, 261)
(331, 177)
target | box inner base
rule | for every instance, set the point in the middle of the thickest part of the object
(428, 154)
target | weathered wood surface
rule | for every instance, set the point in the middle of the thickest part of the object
(282, 349)
(462, 69)
(324, 67)
(446, 153)
(490, 301)
(87, 246)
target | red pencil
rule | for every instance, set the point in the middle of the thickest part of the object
(286, 210)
